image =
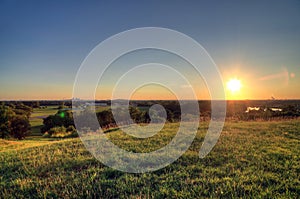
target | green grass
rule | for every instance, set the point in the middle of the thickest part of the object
(50, 110)
(36, 118)
(250, 160)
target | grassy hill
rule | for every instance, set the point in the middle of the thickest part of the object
(251, 159)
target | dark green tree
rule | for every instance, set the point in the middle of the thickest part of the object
(6, 114)
(105, 118)
(19, 127)
(137, 115)
(61, 118)
(21, 109)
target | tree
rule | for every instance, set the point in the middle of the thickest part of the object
(4, 131)
(61, 118)
(21, 109)
(137, 115)
(14, 120)
(36, 104)
(6, 114)
(19, 127)
(62, 105)
(105, 118)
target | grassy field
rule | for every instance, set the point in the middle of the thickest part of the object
(36, 118)
(250, 160)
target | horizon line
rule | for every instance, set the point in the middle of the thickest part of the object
(279, 99)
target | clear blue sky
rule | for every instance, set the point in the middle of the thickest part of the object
(42, 43)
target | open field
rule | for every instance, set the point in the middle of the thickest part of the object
(36, 118)
(251, 159)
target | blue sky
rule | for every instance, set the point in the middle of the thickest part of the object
(42, 43)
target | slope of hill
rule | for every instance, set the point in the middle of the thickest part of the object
(251, 159)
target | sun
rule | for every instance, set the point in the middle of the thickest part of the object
(234, 85)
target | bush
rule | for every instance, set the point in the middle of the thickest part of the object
(71, 129)
(56, 130)
(61, 132)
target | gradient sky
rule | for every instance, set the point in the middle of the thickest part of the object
(43, 43)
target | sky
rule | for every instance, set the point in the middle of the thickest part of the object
(43, 43)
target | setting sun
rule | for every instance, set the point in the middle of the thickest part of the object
(234, 85)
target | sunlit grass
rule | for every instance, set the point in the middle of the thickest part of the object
(251, 159)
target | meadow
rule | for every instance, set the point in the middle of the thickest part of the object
(251, 160)
(36, 118)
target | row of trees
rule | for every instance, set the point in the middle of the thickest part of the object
(140, 114)
(14, 120)
(14, 116)
(41, 103)
(64, 118)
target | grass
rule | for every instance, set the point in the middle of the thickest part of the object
(36, 118)
(250, 160)
(101, 108)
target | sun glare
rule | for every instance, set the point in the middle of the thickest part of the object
(234, 85)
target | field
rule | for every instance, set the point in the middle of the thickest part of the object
(36, 118)
(250, 160)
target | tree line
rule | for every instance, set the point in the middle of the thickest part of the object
(105, 118)
(14, 116)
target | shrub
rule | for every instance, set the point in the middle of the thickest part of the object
(61, 132)
(71, 129)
